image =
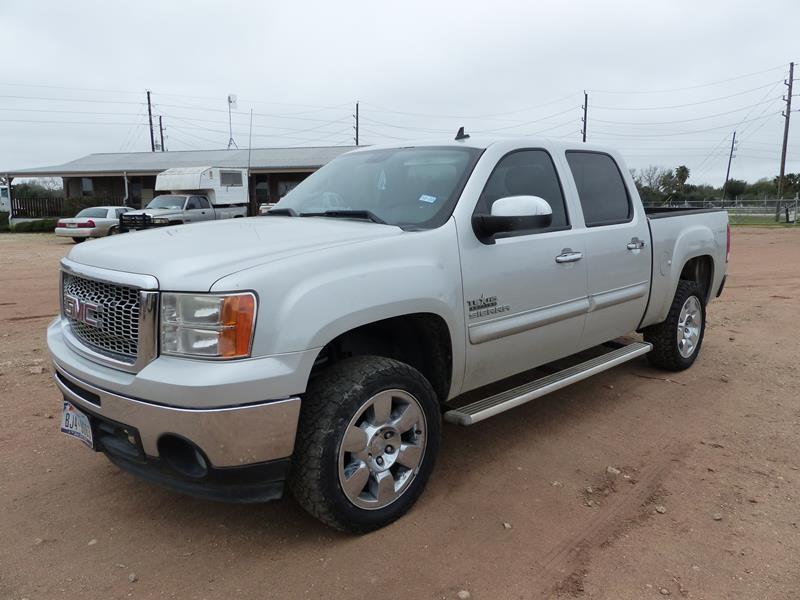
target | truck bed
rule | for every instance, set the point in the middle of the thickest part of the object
(679, 234)
(663, 212)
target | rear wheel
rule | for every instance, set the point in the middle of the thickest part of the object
(78, 240)
(113, 231)
(367, 442)
(676, 341)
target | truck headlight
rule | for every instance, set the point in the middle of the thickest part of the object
(160, 221)
(206, 325)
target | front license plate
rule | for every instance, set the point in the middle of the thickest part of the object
(76, 424)
(72, 225)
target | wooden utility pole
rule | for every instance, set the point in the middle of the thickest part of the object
(728, 172)
(150, 118)
(585, 115)
(356, 128)
(786, 115)
(161, 131)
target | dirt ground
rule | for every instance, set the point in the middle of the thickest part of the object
(706, 504)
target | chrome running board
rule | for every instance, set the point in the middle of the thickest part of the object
(493, 405)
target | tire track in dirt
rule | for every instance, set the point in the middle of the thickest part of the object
(562, 567)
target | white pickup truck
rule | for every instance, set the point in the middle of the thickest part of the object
(192, 194)
(320, 347)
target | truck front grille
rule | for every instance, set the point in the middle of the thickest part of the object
(140, 221)
(113, 326)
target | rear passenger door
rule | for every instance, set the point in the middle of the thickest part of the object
(618, 250)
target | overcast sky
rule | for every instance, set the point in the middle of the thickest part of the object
(668, 81)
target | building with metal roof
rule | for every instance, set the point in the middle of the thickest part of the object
(129, 177)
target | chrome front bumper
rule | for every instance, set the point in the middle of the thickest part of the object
(229, 437)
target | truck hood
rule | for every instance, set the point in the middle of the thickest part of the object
(192, 257)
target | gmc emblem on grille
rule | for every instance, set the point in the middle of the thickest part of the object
(80, 310)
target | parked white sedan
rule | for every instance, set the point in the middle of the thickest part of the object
(97, 221)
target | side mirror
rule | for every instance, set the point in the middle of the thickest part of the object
(514, 213)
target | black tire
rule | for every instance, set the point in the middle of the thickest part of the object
(331, 401)
(664, 336)
(78, 240)
(113, 230)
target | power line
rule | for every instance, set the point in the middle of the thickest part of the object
(691, 87)
(648, 123)
(761, 87)
(651, 135)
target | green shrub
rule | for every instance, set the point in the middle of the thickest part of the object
(41, 225)
(3, 221)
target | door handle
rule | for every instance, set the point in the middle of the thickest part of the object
(568, 256)
(635, 244)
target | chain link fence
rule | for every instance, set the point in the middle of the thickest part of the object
(747, 212)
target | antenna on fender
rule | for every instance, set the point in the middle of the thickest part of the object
(460, 135)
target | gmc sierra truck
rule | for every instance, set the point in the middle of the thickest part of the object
(319, 348)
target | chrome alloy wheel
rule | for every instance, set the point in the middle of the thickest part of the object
(690, 323)
(382, 449)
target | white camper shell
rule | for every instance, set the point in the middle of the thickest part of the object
(222, 186)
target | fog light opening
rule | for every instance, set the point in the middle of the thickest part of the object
(182, 456)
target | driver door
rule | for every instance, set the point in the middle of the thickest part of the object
(525, 304)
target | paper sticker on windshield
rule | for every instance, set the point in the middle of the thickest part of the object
(427, 199)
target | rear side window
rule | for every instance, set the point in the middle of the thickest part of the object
(526, 173)
(602, 192)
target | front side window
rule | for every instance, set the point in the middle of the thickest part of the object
(602, 192)
(203, 202)
(526, 173)
(414, 188)
(193, 204)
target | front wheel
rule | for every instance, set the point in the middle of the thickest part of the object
(676, 341)
(367, 441)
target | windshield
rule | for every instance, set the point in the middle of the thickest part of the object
(94, 213)
(168, 201)
(409, 187)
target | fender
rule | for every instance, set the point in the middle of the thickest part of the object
(675, 242)
(308, 300)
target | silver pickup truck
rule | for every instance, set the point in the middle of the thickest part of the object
(320, 347)
(175, 209)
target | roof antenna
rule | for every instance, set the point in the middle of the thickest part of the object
(461, 135)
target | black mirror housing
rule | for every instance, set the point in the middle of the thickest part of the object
(487, 226)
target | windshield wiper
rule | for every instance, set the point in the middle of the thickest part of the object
(282, 212)
(347, 214)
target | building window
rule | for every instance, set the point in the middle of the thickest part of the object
(230, 178)
(87, 187)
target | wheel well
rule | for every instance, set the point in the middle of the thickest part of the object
(421, 340)
(700, 269)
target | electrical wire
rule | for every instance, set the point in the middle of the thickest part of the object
(717, 99)
(691, 87)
